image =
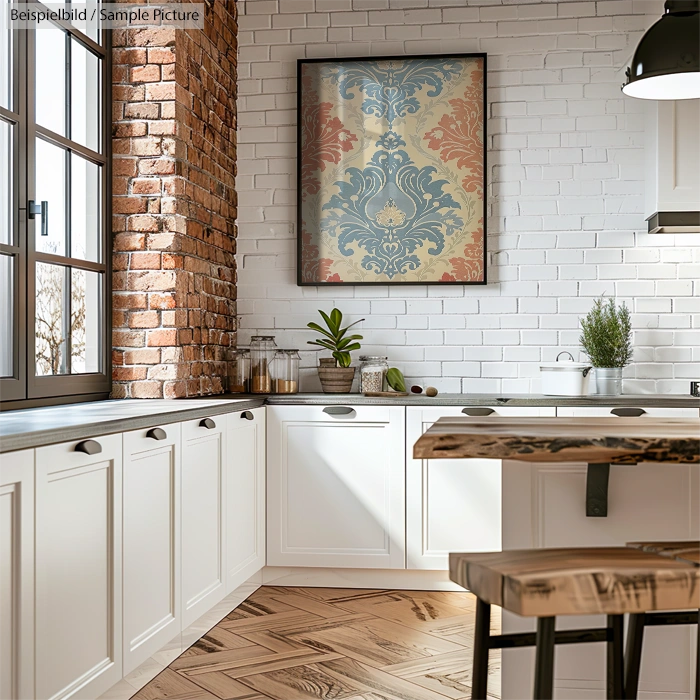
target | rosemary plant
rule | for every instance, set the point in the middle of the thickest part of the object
(606, 335)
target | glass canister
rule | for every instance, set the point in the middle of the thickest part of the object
(238, 371)
(285, 372)
(373, 369)
(262, 352)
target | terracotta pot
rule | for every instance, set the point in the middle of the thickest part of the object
(336, 380)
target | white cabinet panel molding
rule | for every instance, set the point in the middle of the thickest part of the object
(78, 575)
(151, 541)
(336, 486)
(17, 575)
(245, 495)
(203, 515)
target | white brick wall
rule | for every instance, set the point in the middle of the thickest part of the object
(565, 194)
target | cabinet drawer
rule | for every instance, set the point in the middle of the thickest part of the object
(643, 411)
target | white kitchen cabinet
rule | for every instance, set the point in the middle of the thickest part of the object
(672, 153)
(78, 568)
(544, 506)
(203, 515)
(245, 495)
(336, 490)
(151, 527)
(17, 575)
(452, 505)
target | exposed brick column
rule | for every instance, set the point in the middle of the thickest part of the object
(174, 207)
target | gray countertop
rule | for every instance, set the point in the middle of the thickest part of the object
(35, 427)
(641, 400)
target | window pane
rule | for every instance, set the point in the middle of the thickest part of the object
(51, 79)
(86, 321)
(6, 180)
(86, 226)
(50, 328)
(85, 96)
(6, 315)
(91, 25)
(5, 56)
(51, 188)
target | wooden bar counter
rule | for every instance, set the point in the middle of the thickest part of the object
(584, 482)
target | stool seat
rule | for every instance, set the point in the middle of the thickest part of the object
(578, 581)
(688, 550)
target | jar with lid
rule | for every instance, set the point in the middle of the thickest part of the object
(285, 372)
(262, 352)
(373, 369)
(238, 370)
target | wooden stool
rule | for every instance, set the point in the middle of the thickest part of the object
(685, 551)
(544, 583)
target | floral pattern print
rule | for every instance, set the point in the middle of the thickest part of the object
(391, 176)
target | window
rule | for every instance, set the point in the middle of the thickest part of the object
(54, 212)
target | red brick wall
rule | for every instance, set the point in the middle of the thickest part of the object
(174, 207)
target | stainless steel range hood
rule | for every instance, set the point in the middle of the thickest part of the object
(674, 222)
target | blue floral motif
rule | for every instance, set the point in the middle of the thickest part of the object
(391, 141)
(390, 86)
(389, 209)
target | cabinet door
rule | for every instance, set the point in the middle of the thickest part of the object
(151, 541)
(203, 516)
(78, 571)
(336, 486)
(245, 496)
(17, 575)
(452, 505)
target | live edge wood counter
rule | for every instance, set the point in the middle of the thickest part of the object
(592, 440)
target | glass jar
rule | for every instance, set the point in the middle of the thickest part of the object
(285, 372)
(262, 352)
(373, 371)
(238, 371)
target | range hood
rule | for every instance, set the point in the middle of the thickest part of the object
(674, 222)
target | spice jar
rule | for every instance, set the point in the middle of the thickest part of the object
(285, 372)
(238, 371)
(373, 371)
(262, 352)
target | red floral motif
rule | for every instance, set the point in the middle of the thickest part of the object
(470, 268)
(313, 268)
(323, 138)
(460, 135)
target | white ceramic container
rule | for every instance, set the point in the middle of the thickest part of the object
(565, 377)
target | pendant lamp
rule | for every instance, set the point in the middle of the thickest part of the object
(666, 64)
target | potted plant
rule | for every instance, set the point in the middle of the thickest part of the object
(606, 338)
(335, 373)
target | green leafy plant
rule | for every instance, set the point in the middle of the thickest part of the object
(606, 335)
(396, 380)
(336, 339)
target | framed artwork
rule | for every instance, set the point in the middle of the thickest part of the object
(391, 170)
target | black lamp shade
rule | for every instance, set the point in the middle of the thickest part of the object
(666, 64)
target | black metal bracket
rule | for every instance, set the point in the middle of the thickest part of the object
(597, 490)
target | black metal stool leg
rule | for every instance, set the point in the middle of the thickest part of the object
(697, 664)
(633, 655)
(616, 657)
(480, 668)
(544, 659)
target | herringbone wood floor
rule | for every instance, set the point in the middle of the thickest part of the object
(323, 643)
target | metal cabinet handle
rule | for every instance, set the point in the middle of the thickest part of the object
(340, 411)
(477, 411)
(247, 415)
(626, 412)
(43, 211)
(207, 423)
(89, 447)
(157, 434)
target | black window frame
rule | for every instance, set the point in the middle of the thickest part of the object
(24, 388)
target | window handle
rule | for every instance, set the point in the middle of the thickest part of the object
(43, 210)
